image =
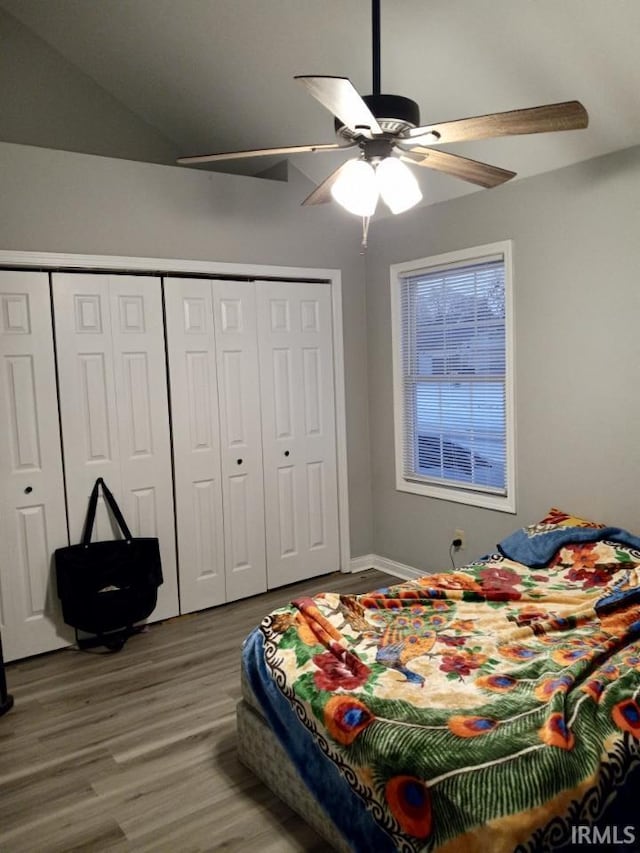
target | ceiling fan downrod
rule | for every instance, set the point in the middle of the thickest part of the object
(394, 112)
(375, 47)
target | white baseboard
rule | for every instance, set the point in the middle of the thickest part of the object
(360, 564)
(384, 564)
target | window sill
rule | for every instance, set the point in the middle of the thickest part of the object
(500, 503)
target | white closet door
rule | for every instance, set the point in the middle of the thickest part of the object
(114, 408)
(196, 442)
(299, 443)
(240, 438)
(32, 512)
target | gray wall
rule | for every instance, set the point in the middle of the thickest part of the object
(577, 315)
(47, 101)
(55, 201)
(576, 262)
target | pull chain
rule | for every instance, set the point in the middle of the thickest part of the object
(365, 233)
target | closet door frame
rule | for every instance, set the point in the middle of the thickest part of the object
(168, 266)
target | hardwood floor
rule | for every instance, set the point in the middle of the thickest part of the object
(136, 751)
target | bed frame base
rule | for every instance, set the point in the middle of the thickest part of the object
(260, 751)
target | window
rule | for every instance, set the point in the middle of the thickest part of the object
(453, 358)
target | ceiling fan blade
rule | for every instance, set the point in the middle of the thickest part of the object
(340, 97)
(262, 152)
(569, 115)
(322, 193)
(460, 167)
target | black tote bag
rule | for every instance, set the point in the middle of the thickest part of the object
(105, 586)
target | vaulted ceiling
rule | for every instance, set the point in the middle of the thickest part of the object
(217, 75)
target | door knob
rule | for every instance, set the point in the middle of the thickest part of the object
(239, 461)
(286, 453)
(28, 490)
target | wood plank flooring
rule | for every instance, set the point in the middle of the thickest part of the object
(136, 751)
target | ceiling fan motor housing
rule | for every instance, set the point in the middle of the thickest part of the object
(393, 112)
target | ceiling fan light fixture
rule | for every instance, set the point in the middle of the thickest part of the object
(397, 185)
(356, 188)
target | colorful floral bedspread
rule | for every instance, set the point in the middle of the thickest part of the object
(468, 710)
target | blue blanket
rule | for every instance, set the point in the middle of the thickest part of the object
(536, 548)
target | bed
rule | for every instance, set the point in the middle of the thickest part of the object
(494, 707)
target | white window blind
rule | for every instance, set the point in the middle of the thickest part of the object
(454, 369)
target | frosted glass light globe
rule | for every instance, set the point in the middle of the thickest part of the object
(357, 188)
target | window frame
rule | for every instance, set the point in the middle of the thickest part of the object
(475, 496)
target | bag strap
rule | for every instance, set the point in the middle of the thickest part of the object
(91, 512)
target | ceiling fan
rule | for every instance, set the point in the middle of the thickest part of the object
(386, 129)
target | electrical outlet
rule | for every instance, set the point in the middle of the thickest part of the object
(459, 535)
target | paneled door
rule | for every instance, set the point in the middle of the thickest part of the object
(196, 442)
(299, 441)
(213, 368)
(32, 510)
(114, 408)
(234, 306)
